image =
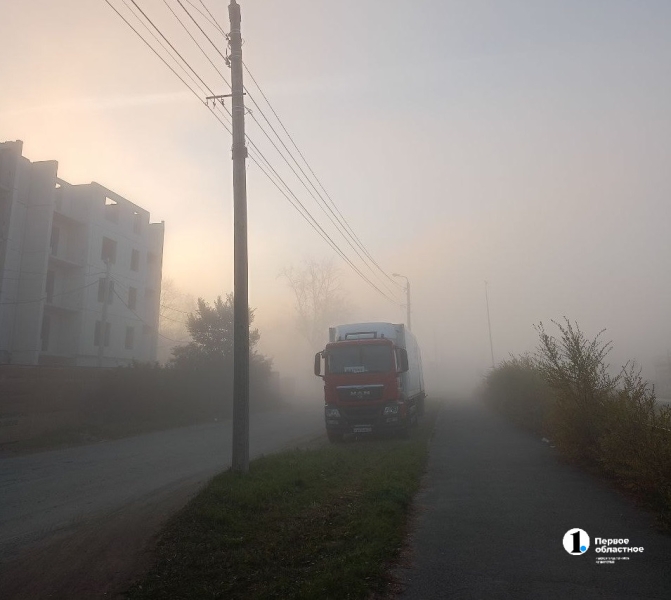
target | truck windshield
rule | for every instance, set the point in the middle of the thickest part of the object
(365, 358)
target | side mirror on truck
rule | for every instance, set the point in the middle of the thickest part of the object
(402, 360)
(318, 364)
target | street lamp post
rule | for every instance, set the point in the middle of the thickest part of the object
(407, 293)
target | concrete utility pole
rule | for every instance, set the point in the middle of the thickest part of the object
(489, 325)
(240, 460)
(407, 295)
(103, 318)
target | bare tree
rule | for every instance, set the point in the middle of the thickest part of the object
(176, 305)
(320, 298)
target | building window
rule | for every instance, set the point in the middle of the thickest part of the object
(46, 328)
(137, 222)
(50, 286)
(101, 290)
(55, 236)
(130, 337)
(111, 210)
(135, 260)
(108, 253)
(96, 334)
(132, 298)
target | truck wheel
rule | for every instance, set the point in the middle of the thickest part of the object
(404, 432)
(334, 437)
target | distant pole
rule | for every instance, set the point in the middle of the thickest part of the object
(407, 293)
(489, 325)
(240, 451)
(103, 317)
(407, 296)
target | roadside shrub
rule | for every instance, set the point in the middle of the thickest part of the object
(517, 390)
(635, 446)
(575, 369)
(612, 423)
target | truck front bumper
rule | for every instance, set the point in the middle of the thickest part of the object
(352, 421)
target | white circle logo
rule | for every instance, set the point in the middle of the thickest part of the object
(576, 541)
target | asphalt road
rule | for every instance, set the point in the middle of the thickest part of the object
(494, 510)
(71, 507)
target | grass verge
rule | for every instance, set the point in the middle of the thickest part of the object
(313, 523)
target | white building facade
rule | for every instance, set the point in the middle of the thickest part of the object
(58, 242)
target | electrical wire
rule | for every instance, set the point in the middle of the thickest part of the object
(161, 316)
(309, 217)
(49, 297)
(193, 38)
(208, 19)
(216, 48)
(308, 189)
(339, 217)
(143, 321)
(213, 17)
(342, 219)
(170, 44)
(270, 139)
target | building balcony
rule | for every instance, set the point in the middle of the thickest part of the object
(65, 263)
(56, 307)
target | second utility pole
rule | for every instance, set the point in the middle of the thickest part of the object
(103, 317)
(240, 451)
(489, 326)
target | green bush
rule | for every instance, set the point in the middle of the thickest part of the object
(635, 446)
(574, 367)
(517, 390)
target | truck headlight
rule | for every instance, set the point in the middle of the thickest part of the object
(391, 409)
(332, 413)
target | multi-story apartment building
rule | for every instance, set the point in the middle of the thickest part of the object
(58, 243)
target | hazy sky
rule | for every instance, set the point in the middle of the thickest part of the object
(525, 143)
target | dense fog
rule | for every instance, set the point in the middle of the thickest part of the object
(517, 143)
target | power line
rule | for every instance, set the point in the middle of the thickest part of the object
(50, 296)
(143, 321)
(341, 219)
(316, 225)
(186, 312)
(193, 38)
(160, 316)
(263, 130)
(199, 98)
(320, 230)
(170, 44)
(344, 221)
(211, 21)
(154, 51)
(214, 19)
(216, 48)
(302, 182)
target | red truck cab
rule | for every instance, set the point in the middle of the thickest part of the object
(363, 388)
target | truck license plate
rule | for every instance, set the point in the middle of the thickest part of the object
(363, 429)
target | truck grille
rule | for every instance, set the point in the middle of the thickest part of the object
(350, 393)
(361, 413)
